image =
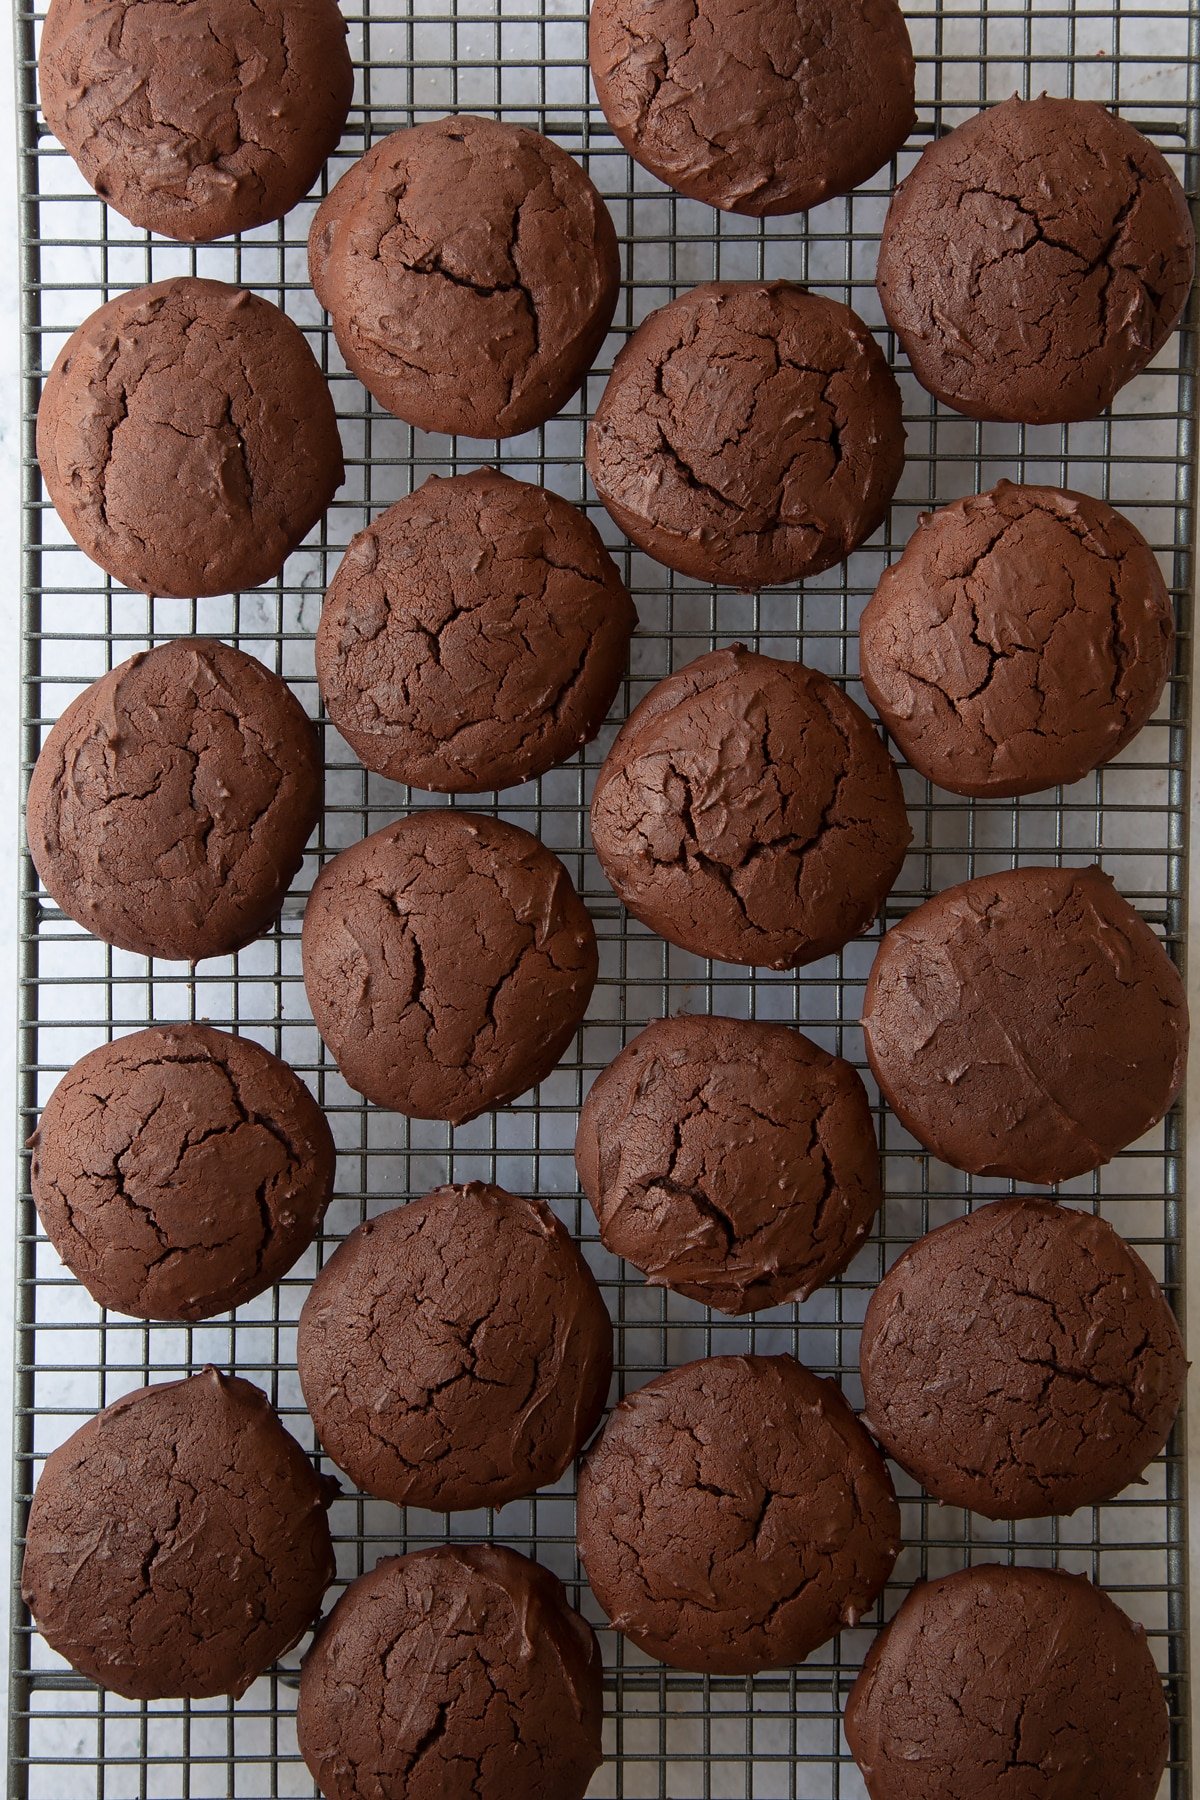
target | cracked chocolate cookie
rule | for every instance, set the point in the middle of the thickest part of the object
(750, 434)
(170, 805)
(730, 1159)
(748, 811)
(733, 1515)
(1022, 1361)
(177, 1543)
(188, 439)
(459, 1670)
(455, 1352)
(474, 636)
(1035, 260)
(180, 1171)
(1023, 638)
(448, 962)
(470, 270)
(1009, 1684)
(758, 108)
(195, 119)
(1027, 1024)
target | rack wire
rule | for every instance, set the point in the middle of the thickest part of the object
(671, 1735)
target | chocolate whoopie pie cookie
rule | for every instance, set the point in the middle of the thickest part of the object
(749, 811)
(448, 962)
(1023, 638)
(196, 118)
(730, 1159)
(455, 1352)
(177, 1543)
(1035, 260)
(758, 108)
(459, 1670)
(470, 270)
(750, 433)
(180, 1171)
(474, 635)
(188, 439)
(1027, 1024)
(170, 806)
(1009, 1684)
(733, 1515)
(1022, 1361)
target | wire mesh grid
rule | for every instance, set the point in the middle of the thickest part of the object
(667, 1734)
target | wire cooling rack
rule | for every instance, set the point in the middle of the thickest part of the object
(667, 1734)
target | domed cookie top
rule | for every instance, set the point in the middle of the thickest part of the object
(170, 806)
(180, 1171)
(474, 635)
(730, 1159)
(1035, 260)
(1009, 1684)
(1022, 1361)
(733, 1515)
(470, 270)
(750, 434)
(197, 118)
(188, 439)
(177, 1543)
(1027, 1024)
(1023, 638)
(748, 811)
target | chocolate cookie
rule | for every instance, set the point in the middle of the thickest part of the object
(448, 962)
(180, 1171)
(1035, 260)
(458, 1670)
(758, 108)
(177, 1543)
(170, 806)
(474, 636)
(470, 271)
(455, 1352)
(749, 812)
(750, 434)
(187, 438)
(1009, 1684)
(196, 120)
(1022, 1361)
(733, 1515)
(731, 1160)
(1027, 1024)
(1024, 637)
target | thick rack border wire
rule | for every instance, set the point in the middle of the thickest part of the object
(667, 1734)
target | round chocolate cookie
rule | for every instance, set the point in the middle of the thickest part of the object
(459, 1670)
(1035, 260)
(180, 1171)
(1022, 1361)
(750, 434)
(177, 1543)
(474, 636)
(455, 1352)
(730, 1159)
(170, 806)
(1027, 1024)
(758, 108)
(470, 271)
(748, 811)
(1009, 1684)
(733, 1515)
(188, 439)
(1023, 638)
(197, 118)
(448, 962)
